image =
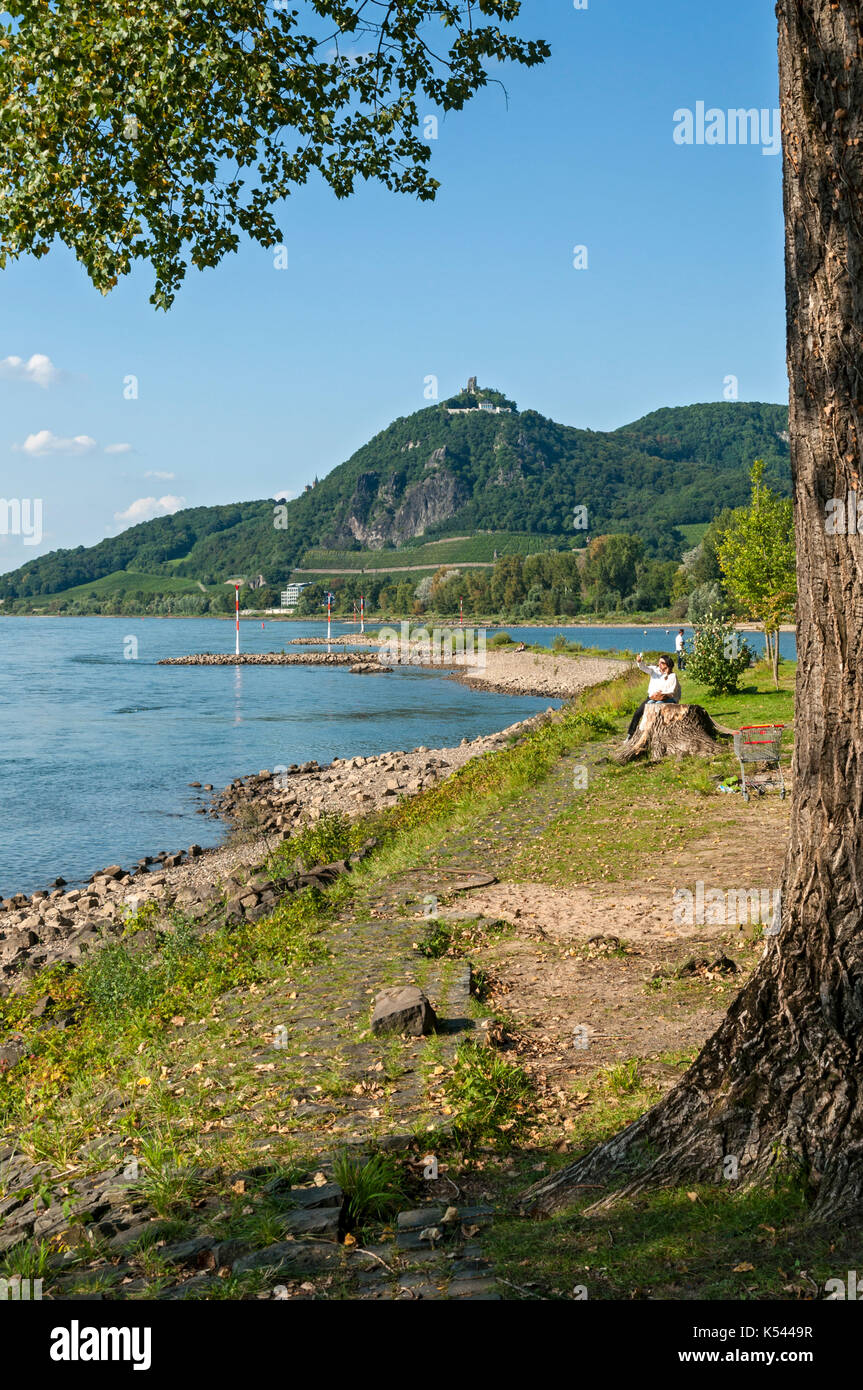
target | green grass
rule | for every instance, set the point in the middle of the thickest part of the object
(625, 1077)
(374, 1187)
(491, 1098)
(627, 815)
(445, 938)
(121, 1001)
(129, 581)
(696, 1242)
(756, 702)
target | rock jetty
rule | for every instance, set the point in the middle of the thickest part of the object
(268, 659)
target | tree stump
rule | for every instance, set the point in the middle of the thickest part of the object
(670, 731)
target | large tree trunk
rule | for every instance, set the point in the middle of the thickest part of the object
(781, 1080)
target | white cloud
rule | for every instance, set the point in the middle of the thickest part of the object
(39, 369)
(146, 508)
(44, 442)
(118, 448)
(156, 473)
(283, 496)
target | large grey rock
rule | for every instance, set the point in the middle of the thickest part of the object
(403, 1009)
(291, 1257)
(316, 1221)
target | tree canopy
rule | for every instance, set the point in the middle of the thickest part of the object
(162, 131)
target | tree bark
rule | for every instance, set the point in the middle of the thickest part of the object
(781, 1080)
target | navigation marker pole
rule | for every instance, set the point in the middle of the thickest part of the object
(237, 607)
(362, 613)
(329, 614)
(461, 612)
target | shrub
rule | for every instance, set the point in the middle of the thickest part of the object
(322, 843)
(718, 657)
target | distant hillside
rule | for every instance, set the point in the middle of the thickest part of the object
(451, 469)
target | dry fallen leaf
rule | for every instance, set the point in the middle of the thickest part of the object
(350, 1240)
(743, 1268)
(320, 1179)
(693, 1196)
(239, 1186)
(178, 1020)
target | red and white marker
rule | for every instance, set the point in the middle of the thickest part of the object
(362, 613)
(237, 607)
(329, 614)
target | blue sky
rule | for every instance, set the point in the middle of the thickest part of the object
(258, 379)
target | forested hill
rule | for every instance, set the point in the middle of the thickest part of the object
(454, 469)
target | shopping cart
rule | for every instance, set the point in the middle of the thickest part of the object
(760, 743)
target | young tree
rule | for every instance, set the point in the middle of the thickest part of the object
(778, 1082)
(756, 553)
(718, 657)
(160, 131)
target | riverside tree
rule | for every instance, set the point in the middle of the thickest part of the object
(161, 131)
(756, 553)
(778, 1082)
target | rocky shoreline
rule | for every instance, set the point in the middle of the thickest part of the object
(529, 673)
(59, 925)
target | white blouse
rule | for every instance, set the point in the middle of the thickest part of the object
(661, 684)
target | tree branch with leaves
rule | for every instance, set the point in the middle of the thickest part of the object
(162, 132)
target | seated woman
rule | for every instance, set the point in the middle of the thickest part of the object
(664, 687)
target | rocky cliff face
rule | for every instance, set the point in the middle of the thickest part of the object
(384, 510)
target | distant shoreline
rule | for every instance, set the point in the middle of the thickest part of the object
(415, 621)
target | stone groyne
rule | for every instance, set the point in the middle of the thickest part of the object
(270, 659)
